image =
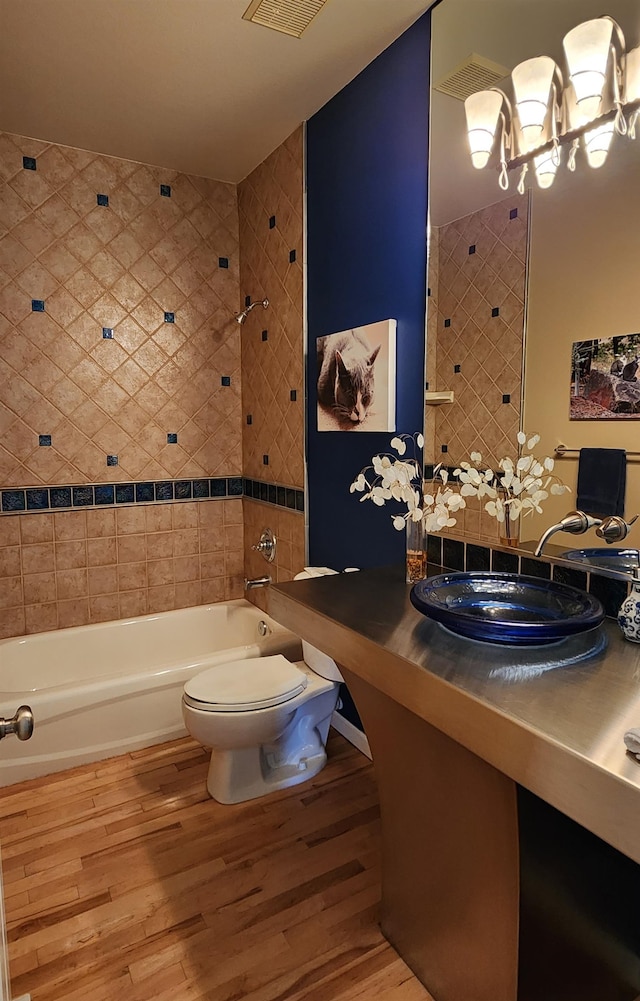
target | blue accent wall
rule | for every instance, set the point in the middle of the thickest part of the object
(367, 158)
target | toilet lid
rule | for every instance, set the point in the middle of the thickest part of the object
(255, 683)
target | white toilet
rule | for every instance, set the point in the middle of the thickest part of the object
(265, 719)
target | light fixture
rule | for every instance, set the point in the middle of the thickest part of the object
(601, 97)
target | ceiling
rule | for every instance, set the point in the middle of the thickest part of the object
(185, 84)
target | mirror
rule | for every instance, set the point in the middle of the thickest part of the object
(515, 279)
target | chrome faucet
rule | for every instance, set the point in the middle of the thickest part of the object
(576, 522)
(256, 582)
(615, 529)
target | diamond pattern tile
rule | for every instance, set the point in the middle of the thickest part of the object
(122, 266)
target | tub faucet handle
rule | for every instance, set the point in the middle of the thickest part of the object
(266, 545)
(21, 724)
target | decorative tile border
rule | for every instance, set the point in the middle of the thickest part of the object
(274, 493)
(445, 554)
(34, 499)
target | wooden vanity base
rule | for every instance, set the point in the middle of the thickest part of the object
(450, 884)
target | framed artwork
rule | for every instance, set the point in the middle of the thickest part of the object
(357, 378)
(604, 379)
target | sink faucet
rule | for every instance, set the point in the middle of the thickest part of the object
(576, 522)
(615, 529)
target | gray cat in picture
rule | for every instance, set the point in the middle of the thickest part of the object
(345, 374)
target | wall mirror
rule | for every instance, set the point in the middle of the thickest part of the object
(516, 279)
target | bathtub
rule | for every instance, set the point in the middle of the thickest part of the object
(113, 687)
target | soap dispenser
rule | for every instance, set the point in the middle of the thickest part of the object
(629, 614)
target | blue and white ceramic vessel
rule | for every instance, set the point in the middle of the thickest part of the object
(629, 614)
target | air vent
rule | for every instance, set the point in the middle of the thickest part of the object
(291, 17)
(473, 74)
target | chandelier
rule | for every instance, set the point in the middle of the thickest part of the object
(546, 110)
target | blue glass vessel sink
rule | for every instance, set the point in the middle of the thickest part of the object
(506, 607)
(606, 557)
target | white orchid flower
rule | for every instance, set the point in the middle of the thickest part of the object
(549, 464)
(533, 441)
(398, 522)
(476, 457)
(521, 437)
(559, 488)
(419, 440)
(399, 445)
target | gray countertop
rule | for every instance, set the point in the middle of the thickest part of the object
(552, 718)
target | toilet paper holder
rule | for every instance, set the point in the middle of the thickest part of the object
(266, 545)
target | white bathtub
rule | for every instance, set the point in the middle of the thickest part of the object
(109, 688)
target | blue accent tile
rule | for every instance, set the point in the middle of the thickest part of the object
(611, 592)
(44, 439)
(164, 491)
(82, 496)
(478, 557)
(293, 395)
(290, 500)
(201, 488)
(263, 491)
(247, 300)
(435, 549)
(37, 500)
(453, 554)
(234, 486)
(272, 496)
(292, 256)
(444, 448)
(249, 418)
(112, 460)
(513, 214)
(13, 500)
(265, 460)
(218, 487)
(246, 487)
(472, 248)
(37, 305)
(144, 492)
(495, 311)
(299, 500)
(447, 322)
(172, 438)
(457, 369)
(534, 568)
(504, 562)
(265, 335)
(124, 493)
(574, 578)
(506, 397)
(107, 333)
(169, 317)
(29, 162)
(104, 493)
(102, 200)
(165, 190)
(225, 380)
(272, 222)
(223, 262)
(60, 496)
(182, 489)
(281, 496)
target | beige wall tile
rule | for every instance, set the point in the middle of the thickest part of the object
(41, 617)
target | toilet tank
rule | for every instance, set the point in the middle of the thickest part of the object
(320, 663)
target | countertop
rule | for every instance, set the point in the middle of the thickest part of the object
(551, 718)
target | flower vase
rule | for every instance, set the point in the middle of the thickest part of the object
(629, 614)
(416, 559)
(509, 530)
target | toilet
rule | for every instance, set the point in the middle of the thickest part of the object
(265, 719)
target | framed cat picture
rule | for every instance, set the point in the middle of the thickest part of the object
(357, 378)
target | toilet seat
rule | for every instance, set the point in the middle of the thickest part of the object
(241, 685)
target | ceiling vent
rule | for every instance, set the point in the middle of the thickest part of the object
(291, 17)
(473, 74)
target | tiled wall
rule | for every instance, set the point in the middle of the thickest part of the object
(70, 568)
(475, 337)
(270, 204)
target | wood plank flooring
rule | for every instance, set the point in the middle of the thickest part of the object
(124, 879)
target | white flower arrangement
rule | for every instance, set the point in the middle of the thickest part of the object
(519, 488)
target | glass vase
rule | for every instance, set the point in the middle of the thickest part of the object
(509, 530)
(416, 560)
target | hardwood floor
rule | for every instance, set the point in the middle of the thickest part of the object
(124, 879)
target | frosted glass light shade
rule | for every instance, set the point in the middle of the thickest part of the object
(546, 166)
(586, 49)
(532, 88)
(482, 111)
(597, 142)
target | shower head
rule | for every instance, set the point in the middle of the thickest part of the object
(241, 317)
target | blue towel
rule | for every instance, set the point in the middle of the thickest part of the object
(602, 479)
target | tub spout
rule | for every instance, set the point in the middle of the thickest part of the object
(256, 582)
(576, 522)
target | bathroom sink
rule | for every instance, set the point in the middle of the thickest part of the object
(506, 608)
(605, 557)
